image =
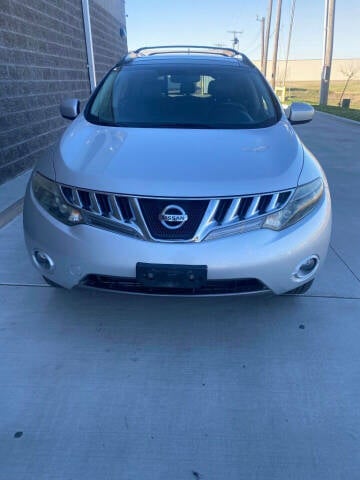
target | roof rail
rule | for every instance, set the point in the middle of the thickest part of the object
(162, 49)
(145, 51)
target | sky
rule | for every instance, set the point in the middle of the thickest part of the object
(206, 22)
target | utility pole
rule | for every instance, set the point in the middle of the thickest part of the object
(262, 20)
(235, 40)
(289, 39)
(326, 10)
(276, 44)
(328, 51)
(267, 35)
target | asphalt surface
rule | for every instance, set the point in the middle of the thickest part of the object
(103, 386)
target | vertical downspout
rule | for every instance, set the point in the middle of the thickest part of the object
(89, 44)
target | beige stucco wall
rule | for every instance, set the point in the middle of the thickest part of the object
(307, 70)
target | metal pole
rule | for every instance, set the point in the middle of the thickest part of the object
(262, 20)
(276, 43)
(326, 10)
(289, 39)
(267, 35)
(326, 71)
(89, 44)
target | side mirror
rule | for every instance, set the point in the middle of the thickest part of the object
(70, 108)
(299, 112)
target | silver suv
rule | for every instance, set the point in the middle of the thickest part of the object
(182, 176)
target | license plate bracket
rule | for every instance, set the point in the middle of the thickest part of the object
(159, 275)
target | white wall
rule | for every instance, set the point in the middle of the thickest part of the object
(307, 70)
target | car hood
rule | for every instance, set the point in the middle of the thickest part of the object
(172, 162)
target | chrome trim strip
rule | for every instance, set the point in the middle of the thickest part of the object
(215, 197)
(139, 218)
(76, 197)
(236, 227)
(231, 214)
(115, 209)
(208, 222)
(273, 202)
(95, 206)
(254, 206)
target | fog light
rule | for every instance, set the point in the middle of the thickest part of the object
(307, 267)
(43, 261)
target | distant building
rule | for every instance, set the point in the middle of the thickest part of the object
(43, 58)
(310, 70)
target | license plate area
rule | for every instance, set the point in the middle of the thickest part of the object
(171, 276)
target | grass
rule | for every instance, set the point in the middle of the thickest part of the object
(352, 113)
(310, 91)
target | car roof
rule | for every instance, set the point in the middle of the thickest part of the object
(186, 54)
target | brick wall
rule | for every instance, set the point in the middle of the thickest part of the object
(42, 60)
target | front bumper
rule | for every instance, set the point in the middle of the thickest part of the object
(268, 256)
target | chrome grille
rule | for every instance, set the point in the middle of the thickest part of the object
(218, 218)
(105, 210)
(104, 204)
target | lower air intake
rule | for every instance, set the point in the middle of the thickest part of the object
(212, 287)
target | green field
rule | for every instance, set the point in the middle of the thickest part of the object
(352, 113)
(310, 92)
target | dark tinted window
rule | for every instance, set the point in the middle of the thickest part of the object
(185, 96)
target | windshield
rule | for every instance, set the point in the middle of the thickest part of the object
(184, 96)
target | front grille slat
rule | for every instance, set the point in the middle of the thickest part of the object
(85, 199)
(115, 209)
(283, 198)
(104, 204)
(94, 204)
(243, 207)
(264, 203)
(67, 193)
(125, 207)
(231, 214)
(76, 197)
(141, 216)
(254, 205)
(273, 202)
(222, 210)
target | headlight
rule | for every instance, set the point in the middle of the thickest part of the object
(48, 194)
(303, 201)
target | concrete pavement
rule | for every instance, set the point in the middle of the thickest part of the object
(103, 386)
(11, 198)
(14, 190)
(336, 143)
